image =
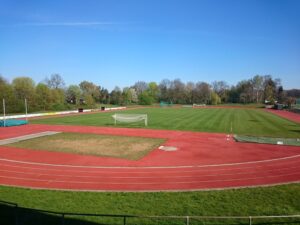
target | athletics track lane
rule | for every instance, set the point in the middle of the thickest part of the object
(295, 117)
(203, 161)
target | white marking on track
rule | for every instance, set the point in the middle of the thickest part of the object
(152, 167)
(151, 183)
(149, 177)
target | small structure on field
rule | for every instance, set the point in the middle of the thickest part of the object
(130, 118)
(5, 122)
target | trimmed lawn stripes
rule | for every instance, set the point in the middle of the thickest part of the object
(255, 122)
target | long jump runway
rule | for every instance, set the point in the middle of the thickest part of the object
(202, 161)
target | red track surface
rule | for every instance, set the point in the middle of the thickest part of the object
(202, 161)
(286, 114)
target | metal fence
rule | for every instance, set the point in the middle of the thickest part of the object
(12, 214)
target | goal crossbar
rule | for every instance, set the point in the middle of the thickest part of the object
(130, 118)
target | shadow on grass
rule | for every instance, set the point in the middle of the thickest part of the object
(255, 121)
(11, 214)
(295, 131)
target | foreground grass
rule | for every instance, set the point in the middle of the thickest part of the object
(132, 148)
(255, 122)
(277, 200)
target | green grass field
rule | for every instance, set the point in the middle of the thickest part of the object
(254, 122)
(277, 200)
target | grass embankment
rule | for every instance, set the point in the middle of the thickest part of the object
(132, 148)
(277, 200)
(253, 122)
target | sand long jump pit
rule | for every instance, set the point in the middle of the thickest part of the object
(122, 159)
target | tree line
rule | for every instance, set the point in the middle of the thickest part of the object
(53, 94)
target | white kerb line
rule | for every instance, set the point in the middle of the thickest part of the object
(4, 112)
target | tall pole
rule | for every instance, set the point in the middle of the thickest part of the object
(26, 108)
(3, 112)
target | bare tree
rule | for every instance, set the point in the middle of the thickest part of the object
(164, 90)
(202, 93)
(55, 81)
(177, 89)
(189, 92)
(258, 87)
(221, 88)
(140, 87)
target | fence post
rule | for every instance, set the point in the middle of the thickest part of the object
(250, 220)
(63, 219)
(16, 215)
(124, 220)
(187, 220)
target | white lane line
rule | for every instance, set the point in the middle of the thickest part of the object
(152, 167)
(139, 172)
(150, 177)
(153, 183)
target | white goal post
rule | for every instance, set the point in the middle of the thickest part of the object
(130, 118)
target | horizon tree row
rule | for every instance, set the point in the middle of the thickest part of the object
(52, 93)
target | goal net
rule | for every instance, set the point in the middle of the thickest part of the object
(130, 118)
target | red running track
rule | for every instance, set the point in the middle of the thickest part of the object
(202, 161)
(286, 114)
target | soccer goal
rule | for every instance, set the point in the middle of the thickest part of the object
(130, 118)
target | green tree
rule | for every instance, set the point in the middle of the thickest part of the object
(270, 90)
(104, 96)
(89, 100)
(134, 96)
(89, 88)
(153, 90)
(24, 88)
(43, 96)
(116, 97)
(215, 98)
(127, 97)
(73, 94)
(145, 98)
(58, 99)
(7, 93)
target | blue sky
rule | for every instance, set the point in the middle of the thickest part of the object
(112, 42)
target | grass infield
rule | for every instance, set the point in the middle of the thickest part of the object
(132, 148)
(253, 122)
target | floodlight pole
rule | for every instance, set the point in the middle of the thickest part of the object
(3, 112)
(26, 109)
